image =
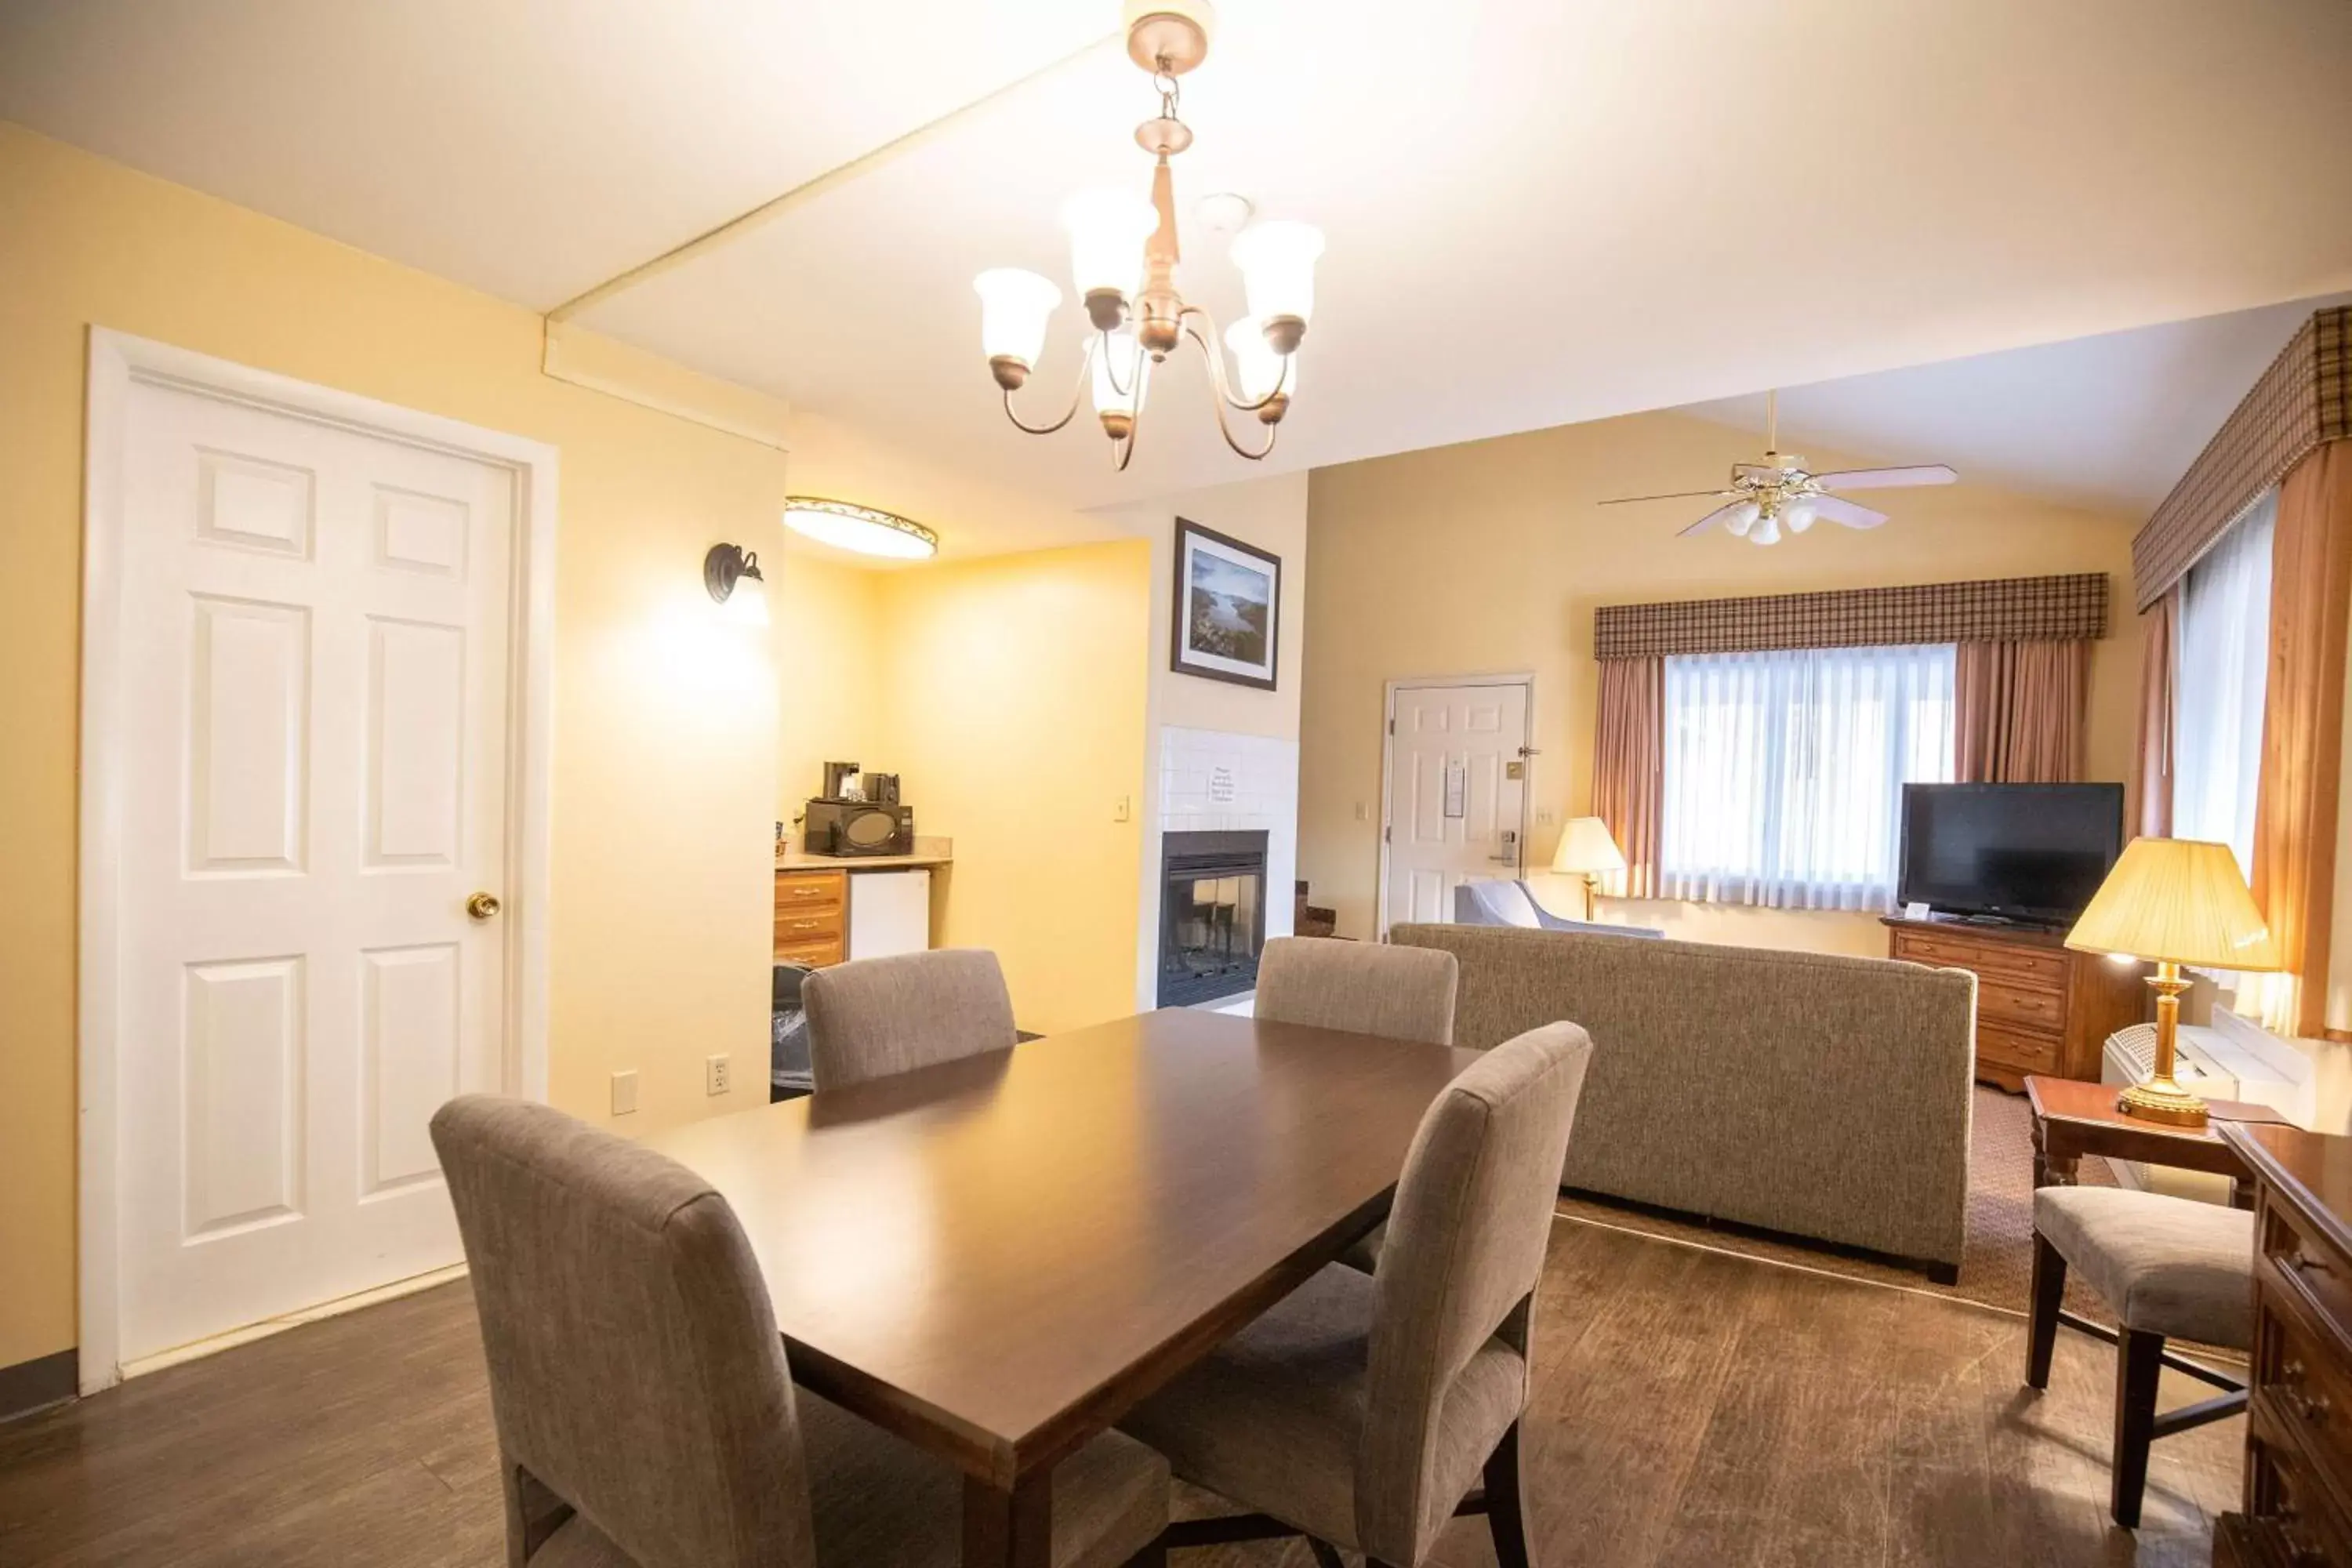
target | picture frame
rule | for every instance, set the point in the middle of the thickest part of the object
(1225, 618)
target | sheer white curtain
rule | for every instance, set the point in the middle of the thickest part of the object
(1784, 772)
(2221, 671)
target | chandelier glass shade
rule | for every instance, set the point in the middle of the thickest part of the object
(1123, 256)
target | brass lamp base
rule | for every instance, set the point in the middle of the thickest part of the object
(2162, 1099)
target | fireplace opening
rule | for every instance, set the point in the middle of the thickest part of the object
(1211, 915)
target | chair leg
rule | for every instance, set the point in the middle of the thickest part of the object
(1504, 1520)
(1152, 1556)
(2047, 1293)
(2139, 1360)
(1326, 1555)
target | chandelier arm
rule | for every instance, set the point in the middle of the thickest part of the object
(1077, 394)
(1110, 364)
(1218, 409)
(1217, 365)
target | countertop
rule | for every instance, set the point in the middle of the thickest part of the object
(927, 851)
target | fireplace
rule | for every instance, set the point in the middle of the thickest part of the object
(1211, 915)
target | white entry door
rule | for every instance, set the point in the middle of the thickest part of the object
(1457, 776)
(314, 734)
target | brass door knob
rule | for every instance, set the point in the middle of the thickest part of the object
(482, 906)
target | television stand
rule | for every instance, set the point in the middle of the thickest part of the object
(2040, 1007)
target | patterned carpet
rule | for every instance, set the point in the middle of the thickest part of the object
(2000, 1252)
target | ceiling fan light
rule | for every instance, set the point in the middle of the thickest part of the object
(1742, 519)
(1766, 531)
(1120, 369)
(1256, 365)
(1014, 306)
(1798, 515)
(1278, 265)
(1107, 230)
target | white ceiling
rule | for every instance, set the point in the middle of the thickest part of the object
(1539, 212)
(2109, 422)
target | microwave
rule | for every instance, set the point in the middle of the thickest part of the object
(857, 827)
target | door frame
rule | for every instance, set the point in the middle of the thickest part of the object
(1388, 691)
(117, 361)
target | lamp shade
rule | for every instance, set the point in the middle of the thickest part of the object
(1259, 369)
(1107, 230)
(1120, 370)
(1278, 263)
(1014, 306)
(2177, 901)
(1585, 847)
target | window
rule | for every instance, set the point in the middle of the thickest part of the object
(2222, 670)
(1784, 772)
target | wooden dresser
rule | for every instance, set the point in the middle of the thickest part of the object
(2041, 1008)
(2298, 1496)
(812, 917)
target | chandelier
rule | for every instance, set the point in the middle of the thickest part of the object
(1123, 258)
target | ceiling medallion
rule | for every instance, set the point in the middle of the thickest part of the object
(1123, 258)
(869, 531)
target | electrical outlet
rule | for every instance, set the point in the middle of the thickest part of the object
(624, 1093)
(1363, 813)
(1543, 817)
(715, 1079)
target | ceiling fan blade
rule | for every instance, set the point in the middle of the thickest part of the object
(1678, 495)
(1887, 479)
(1838, 510)
(1719, 514)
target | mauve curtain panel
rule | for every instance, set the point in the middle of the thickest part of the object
(2019, 711)
(1629, 765)
(2151, 808)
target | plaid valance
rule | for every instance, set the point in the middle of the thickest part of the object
(2303, 399)
(2002, 609)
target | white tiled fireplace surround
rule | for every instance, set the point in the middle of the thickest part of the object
(1209, 781)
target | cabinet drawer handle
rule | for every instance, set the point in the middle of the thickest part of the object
(805, 925)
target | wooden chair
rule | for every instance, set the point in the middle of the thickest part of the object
(1360, 1411)
(2169, 1268)
(876, 1016)
(644, 1415)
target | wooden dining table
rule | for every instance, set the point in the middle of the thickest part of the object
(997, 1257)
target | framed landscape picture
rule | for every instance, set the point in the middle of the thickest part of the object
(1228, 601)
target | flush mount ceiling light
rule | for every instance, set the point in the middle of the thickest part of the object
(864, 529)
(732, 574)
(1123, 260)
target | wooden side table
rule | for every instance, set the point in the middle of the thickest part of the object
(2072, 1118)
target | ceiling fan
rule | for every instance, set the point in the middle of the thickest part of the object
(1779, 492)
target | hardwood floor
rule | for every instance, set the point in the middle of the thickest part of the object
(1692, 1409)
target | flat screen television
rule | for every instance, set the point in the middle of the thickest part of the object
(2028, 853)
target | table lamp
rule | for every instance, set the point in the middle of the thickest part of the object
(1586, 851)
(2175, 901)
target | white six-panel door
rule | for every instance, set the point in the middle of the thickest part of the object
(1456, 781)
(314, 737)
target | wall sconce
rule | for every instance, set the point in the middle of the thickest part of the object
(732, 574)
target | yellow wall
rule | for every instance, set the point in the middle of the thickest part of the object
(1014, 694)
(665, 777)
(827, 620)
(1490, 557)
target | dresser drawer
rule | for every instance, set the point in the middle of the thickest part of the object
(2301, 1375)
(2016, 1049)
(806, 891)
(810, 925)
(2030, 967)
(2317, 1275)
(816, 953)
(2016, 1007)
(2289, 1504)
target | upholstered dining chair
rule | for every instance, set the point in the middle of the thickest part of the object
(1367, 988)
(874, 1017)
(1361, 1409)
(638, 1385)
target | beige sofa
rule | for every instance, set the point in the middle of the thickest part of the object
(1821, 1096)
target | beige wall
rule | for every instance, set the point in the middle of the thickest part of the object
(666, 731)
(1014, 698)
(827, 620)
(1490, 557)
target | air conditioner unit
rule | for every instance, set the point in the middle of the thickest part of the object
(2229, 1058)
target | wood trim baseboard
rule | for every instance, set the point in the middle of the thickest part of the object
(37, 1384)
